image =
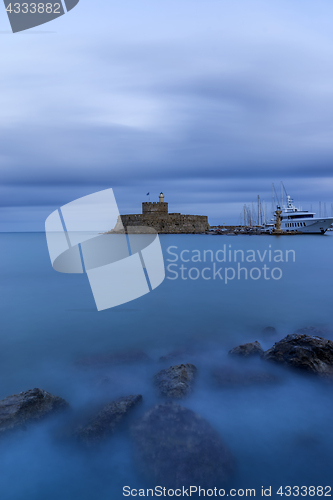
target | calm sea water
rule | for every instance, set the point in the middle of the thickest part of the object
(279, 435)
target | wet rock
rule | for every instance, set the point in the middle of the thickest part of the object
(177, 447)
(269, 330)
(127, 357)
(227, 376)
(247, 350)
(107, 420)
(309, 353)
(26, 407)
(176, 381)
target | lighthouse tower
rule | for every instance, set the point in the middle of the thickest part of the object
(156, 207)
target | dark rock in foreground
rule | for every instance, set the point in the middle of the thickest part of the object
(247, 350)
(119, 358)
(20, 409)
(176, 381)
(176, 447)
(227, 376)
(269, 330)
(107, 420)
(310, 353)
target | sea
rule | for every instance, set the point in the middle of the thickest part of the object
(218, 292)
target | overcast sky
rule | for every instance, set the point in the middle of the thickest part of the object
(207, 101)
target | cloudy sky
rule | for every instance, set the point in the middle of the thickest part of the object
(209, 101)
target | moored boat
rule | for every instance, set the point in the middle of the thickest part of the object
(302, 221)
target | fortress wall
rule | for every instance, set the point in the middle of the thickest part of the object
(168, 223)
(149, 207)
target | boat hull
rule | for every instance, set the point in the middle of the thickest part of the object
(306, 225)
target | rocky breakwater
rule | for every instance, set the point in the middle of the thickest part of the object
(107, 420)
(21, 409)
(176, 381)
(175, 446)
(247, 350)
(309, 353)
(238, 373)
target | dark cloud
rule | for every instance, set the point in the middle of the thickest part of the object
(209, 112)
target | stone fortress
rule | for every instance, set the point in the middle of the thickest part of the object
(157, 216)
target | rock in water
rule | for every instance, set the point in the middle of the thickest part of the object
(269, 330)
(106, 421)
(26, 407)
(176, 447)
(176, 381)
(310, 353)
(247, 350)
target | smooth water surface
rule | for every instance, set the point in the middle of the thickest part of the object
(278, 434)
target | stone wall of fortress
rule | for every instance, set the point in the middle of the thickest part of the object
(168, 223)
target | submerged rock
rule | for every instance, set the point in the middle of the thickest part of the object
(107, 420)
(176, 381)
(177, 447)
(309, 353)
(102, 382)
(119, 358)
(231, 377)
(247, 350)
(269, 330)
(20, 409)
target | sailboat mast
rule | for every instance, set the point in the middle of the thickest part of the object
(258, 220)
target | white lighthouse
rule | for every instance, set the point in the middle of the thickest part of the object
(161, 199)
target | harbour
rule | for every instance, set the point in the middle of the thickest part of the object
(286, 220)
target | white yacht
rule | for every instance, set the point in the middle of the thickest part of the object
(294, 219)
